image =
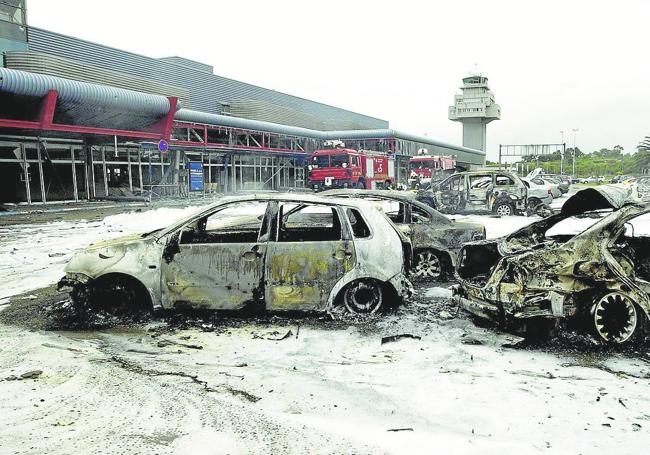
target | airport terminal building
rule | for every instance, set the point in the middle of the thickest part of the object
(79, 120)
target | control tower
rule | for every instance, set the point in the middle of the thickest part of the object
(474, 108)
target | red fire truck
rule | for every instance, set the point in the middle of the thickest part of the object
(423, 166)
(348, 168)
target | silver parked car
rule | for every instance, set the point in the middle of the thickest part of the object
(266, 251)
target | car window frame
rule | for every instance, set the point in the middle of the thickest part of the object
(346, 234)
(217, 210)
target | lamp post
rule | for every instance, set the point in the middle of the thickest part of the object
(574, 150)
(562, 154)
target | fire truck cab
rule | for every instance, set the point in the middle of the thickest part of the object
(423, 167)
(348, 168)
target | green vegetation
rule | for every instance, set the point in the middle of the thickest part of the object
(603, 162)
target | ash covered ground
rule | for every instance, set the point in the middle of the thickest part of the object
(225, 383)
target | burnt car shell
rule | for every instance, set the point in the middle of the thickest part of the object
(276, 257)
(526, 274)
(428, 230)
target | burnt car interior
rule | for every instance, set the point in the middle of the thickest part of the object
(477, 261)
(360, 229)
(227, 225)
(633, 244)
(306, 222)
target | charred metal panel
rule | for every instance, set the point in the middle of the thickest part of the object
(300, 275)
(217, 276)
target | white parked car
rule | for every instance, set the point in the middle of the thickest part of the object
(555, 188)
(539, 192)
(258, 252)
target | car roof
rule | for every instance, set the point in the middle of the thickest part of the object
(403, 196)
(406, 196)
(286, 197)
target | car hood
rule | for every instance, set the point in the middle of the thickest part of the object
(599, 198)
(118, 241)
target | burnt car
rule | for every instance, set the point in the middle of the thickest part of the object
(487, 191)
(435, 239)
(590, 264)
(257, 252)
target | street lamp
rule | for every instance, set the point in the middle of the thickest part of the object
(562, 155)
(574, 150)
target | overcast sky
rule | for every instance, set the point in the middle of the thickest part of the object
(553, 65)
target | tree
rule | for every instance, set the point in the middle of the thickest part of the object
(569, 153)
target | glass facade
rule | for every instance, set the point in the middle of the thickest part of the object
(13, 25)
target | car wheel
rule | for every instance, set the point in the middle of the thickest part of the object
(617, 319)
(363, 296)
(503, 209)
(427, 266)
(533, 202)
(117, 294)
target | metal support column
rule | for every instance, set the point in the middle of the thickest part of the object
(74, 175)
(28, 191)
(40, 171)
(140, 169)
(104, 171)
(128, 160)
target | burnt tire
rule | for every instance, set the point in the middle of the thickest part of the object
(118, 295)
(364, 296)
(533, 202)
(504, 209)
(427, 265)
(618, 320)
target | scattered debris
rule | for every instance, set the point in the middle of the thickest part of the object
(471, 341)
(274, 336)
(400, 429)
(34, 374)
(393, 338)
(165, 343)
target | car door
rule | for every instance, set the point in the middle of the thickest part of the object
(480, 191)
(310, 252)
(450, 197)
(217, 262)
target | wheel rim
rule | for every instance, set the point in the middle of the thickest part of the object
(428, 265)
(615, 318)
(504, 210)
(363, 297)
(533, 203)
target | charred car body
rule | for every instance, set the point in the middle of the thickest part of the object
(273, 251)
(600, 276)
(499, 192)
(435, 239)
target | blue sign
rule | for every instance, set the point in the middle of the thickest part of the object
(196, 176)
(163, 146)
